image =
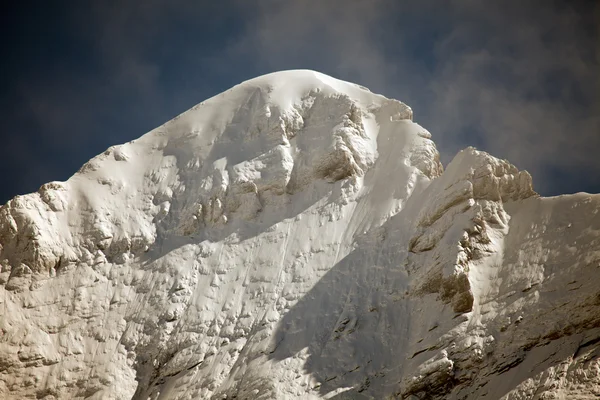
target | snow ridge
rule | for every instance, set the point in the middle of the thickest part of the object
(297, 237)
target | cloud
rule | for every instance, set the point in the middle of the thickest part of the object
(527, 87)
(334, 35)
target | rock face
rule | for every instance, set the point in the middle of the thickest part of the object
(295, 237)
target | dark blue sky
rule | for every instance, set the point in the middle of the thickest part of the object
(520, 79)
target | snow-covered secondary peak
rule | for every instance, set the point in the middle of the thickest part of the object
(296, 237)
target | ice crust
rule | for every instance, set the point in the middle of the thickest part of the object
(297, 237)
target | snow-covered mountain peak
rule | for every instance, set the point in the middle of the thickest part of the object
(220, 163)
(287, 88)
(296, 237)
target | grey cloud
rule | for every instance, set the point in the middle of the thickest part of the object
(121, 32)
(333, 34)
(530, 90)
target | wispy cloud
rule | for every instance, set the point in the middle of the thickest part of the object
(336, 35)
(527, 86)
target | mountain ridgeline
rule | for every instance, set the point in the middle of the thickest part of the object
(297, 237)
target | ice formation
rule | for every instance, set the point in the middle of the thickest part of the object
(297, 237)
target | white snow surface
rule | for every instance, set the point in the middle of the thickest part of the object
(295, 237)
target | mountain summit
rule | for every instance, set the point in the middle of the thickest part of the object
(297, 237)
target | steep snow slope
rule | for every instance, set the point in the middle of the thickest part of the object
(295, 237)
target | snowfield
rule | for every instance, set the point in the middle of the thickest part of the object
(297, 237)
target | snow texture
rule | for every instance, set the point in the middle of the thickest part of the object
(295, 237)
